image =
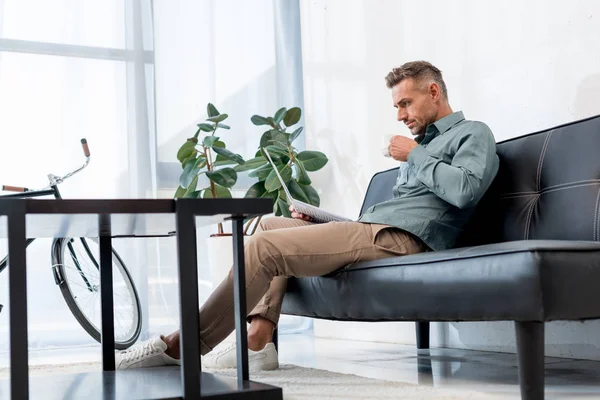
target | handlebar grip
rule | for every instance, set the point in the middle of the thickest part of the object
(86, 149)
(8, 188)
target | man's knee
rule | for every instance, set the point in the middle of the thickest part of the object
(268, 224)
(261, 249)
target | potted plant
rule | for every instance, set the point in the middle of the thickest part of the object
(206, 154)
(293, 165)
(197, 158)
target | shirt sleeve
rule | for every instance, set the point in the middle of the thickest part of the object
(464, 181)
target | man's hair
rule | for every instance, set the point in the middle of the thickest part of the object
(419, 71)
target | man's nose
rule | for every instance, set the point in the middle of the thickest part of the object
(401, 115)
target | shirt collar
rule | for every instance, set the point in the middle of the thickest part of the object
(440, 126)
(444, 124)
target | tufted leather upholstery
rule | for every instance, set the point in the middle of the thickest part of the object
(526, 266)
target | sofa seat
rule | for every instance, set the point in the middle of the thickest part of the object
(526, 280)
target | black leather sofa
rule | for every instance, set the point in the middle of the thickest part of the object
(530, 254)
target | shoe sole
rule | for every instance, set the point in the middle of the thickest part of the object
(260, 367)
(267, 367)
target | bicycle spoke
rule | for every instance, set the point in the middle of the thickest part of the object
(83, 279)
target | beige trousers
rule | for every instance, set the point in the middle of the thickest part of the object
(284, 247)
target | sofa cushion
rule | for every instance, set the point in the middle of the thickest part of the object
(535, 280)
(547, 187)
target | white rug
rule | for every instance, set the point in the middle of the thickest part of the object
(300, 383)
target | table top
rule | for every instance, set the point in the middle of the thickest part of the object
(128, 217)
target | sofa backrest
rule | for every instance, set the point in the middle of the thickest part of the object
(547, 187)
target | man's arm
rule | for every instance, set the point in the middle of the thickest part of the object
(463, 182)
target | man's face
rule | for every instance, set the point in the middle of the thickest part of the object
(415, 104)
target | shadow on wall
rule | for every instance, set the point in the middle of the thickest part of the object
(587, 97)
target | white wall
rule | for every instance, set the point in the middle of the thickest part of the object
(518, 66)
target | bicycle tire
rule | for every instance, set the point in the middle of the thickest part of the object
(59, 256)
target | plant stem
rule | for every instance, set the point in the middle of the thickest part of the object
(213, 190)
(256, 225)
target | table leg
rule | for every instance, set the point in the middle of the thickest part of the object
(239, 295)
(17, 294)
(106, 294)
(189, 309)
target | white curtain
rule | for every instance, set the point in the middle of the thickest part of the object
(243, 56)
(133, 77)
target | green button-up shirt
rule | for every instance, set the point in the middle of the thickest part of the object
(444, 178)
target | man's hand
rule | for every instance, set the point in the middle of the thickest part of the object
(297, 215)
(400, 147)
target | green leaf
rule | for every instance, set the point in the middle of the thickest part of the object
(303, 178)
(256, 190)
(258, 120)
(192, 186)
(223, 126)
(253, 163)
(312, 195)
(265, 139)
(179, 192)
(277, 151)
(282, 195)
(262, 172)
(211, 110)
(192, 159)
(220, 163)
(218, 143)
(192, 195)
(189, 173)
(284, 208)
(229, 155)
(312, 160)
(218, 118)
(296, 191)
(186, 150)
(292, 116)
(272, 183)
(276, 209)
(279, 115)
(209, 141)
(295, 134)
(206, 127)
(279, 137)
(225, 177)
(271, 121)
(272, 195)
(222, 193)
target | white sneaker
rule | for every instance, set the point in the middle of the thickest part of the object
(147, 354)
(262, 360)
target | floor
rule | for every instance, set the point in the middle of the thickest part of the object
(487, 372)
(451, 368)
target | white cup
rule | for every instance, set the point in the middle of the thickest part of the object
(386, 142)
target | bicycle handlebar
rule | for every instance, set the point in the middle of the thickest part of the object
(54, 179)
(86, 149)
(8, 188)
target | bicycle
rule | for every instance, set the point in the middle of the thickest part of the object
(75, 268)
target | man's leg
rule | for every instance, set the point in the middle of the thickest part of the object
(265, 316)
(312, 250)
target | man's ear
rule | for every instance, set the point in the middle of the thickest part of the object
(434, 91)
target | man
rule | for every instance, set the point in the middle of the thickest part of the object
(445, 171)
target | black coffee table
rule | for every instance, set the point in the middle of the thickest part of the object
(108, 219)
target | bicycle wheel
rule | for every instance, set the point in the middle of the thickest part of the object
(76, 268)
